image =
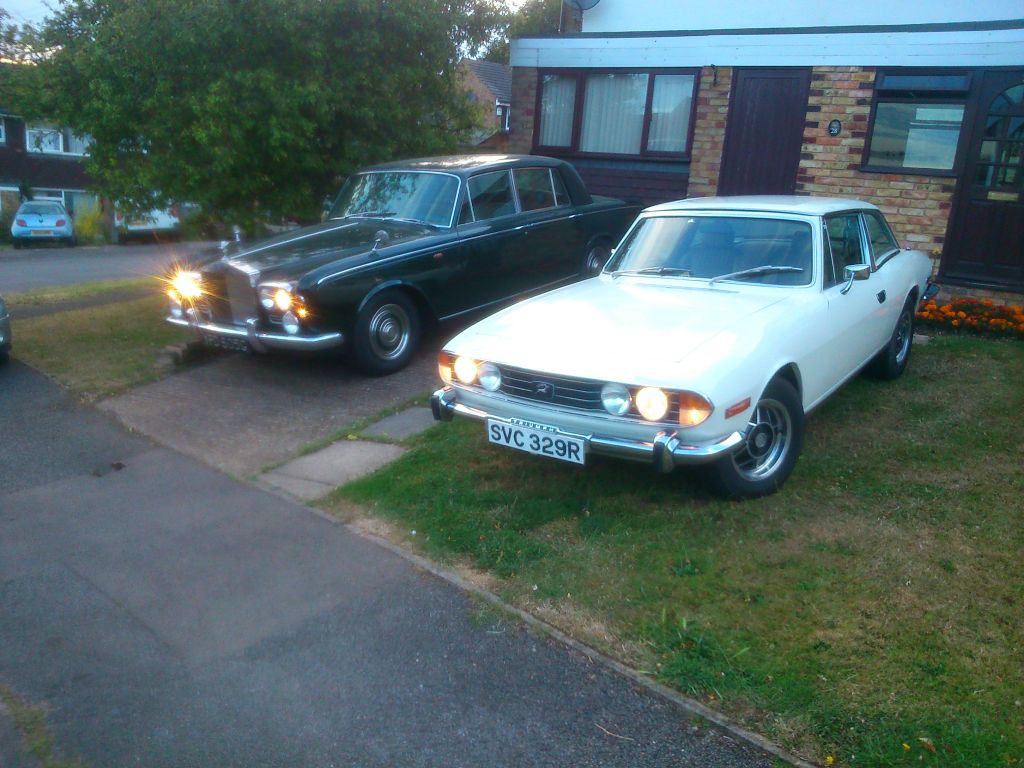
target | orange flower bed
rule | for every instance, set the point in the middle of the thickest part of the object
(981, 316)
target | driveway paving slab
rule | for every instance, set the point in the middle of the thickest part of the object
(168, 615)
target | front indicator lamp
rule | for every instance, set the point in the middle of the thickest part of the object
(615, 399)
(694, 409)
(290, 323)
(188, 285)
(465, 369)
(652, 403)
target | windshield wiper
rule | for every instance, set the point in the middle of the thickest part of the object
(374, 214)
(654, 271)
(768, 269)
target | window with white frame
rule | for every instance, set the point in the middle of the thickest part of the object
(616, 113)
(57, 141)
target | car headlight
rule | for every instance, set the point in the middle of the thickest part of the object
(444, 366)
(615, 399)
(465, 369)
(652, 403)
(188, 285)
(694, 409)
(276, 297)
(290, 322)
(489, 376)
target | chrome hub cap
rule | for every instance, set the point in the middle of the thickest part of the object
(769, 434)
(901, 338)
(389, 332)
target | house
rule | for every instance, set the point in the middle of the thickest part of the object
(917, 107)
(489, 85)
(46, 160)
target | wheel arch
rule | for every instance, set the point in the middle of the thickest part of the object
(790, 373)
(418, 298)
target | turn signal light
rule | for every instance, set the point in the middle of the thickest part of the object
(694, 409)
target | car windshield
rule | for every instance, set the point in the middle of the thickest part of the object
(425, 197)
(751, 249)
(46, 209)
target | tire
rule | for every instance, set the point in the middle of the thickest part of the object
(597, 256)
(5, 355)
(892, 361)
(775, 438)
(71, 242)
(16, 242)
(386, 333)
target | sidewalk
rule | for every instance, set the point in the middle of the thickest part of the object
(168, 615)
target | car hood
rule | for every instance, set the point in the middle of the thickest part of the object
(644, 331)
(296, 252)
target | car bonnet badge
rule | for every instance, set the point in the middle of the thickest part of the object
(544, 390)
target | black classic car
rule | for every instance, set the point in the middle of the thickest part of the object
(406, 244)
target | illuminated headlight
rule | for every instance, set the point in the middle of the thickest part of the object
(275, 297)
(290, 323)
(490, 377)
(188, 285)
(465, 370)
(652, 403)
(615, 399)
(694, 409)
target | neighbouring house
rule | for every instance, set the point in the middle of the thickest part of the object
(917, 107)
(45, 160)
(489, 85)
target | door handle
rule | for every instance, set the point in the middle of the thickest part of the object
(880, 296)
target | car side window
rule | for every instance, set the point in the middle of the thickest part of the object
(844, 246)
(535, 189)
(561, 194)
(883, 244)
(491, 194)
(466, 215)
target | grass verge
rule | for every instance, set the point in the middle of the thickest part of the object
(30, 721)
(68, 293)
(870, 612)
(98, 351)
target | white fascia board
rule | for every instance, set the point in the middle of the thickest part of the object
(991, 48)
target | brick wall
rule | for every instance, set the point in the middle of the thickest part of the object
(917, 207)
(524, 103)
(712, 107)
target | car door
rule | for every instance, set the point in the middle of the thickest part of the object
(850, 333)
(552, 247)
(489, 228)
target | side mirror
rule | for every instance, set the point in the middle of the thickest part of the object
(855, 272)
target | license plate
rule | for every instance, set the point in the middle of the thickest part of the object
(232, 343)
(42, 232)
(538, 440)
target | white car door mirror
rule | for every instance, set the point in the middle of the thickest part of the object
(855, 272)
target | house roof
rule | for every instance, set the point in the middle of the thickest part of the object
(496, 77)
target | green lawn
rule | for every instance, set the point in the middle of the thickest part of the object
(98, 351)
(96, 289)
(872, 611)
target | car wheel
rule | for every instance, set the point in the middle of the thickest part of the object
(16, 242)
(595, 259)
(775, 436)
(892, 361)
(386, 333)
(71, 242)
(5, 355)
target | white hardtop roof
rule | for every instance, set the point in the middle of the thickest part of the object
(807, 206)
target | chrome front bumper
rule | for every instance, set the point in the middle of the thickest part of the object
(260, 341)
(665, 452)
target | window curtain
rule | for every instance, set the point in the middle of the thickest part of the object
(613, 114)
(557, 103)
(670, 113)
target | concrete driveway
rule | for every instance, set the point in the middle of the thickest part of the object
(165, 614)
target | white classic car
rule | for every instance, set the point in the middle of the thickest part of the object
(715, 327)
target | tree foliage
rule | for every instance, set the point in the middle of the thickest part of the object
(534, 17)
(256, 107)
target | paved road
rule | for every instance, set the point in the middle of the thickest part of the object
(46, 267)
(168, 615)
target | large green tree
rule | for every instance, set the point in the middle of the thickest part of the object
(534, 17)
(256, 107)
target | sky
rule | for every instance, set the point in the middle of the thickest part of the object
(22, 11)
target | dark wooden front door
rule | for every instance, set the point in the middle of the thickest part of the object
(986, 236)
(764, 131)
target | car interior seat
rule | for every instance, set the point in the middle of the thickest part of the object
(713, 251)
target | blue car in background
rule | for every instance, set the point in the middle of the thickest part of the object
(42, 220)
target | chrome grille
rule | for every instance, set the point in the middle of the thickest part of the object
(584, 394)
(229, 296)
